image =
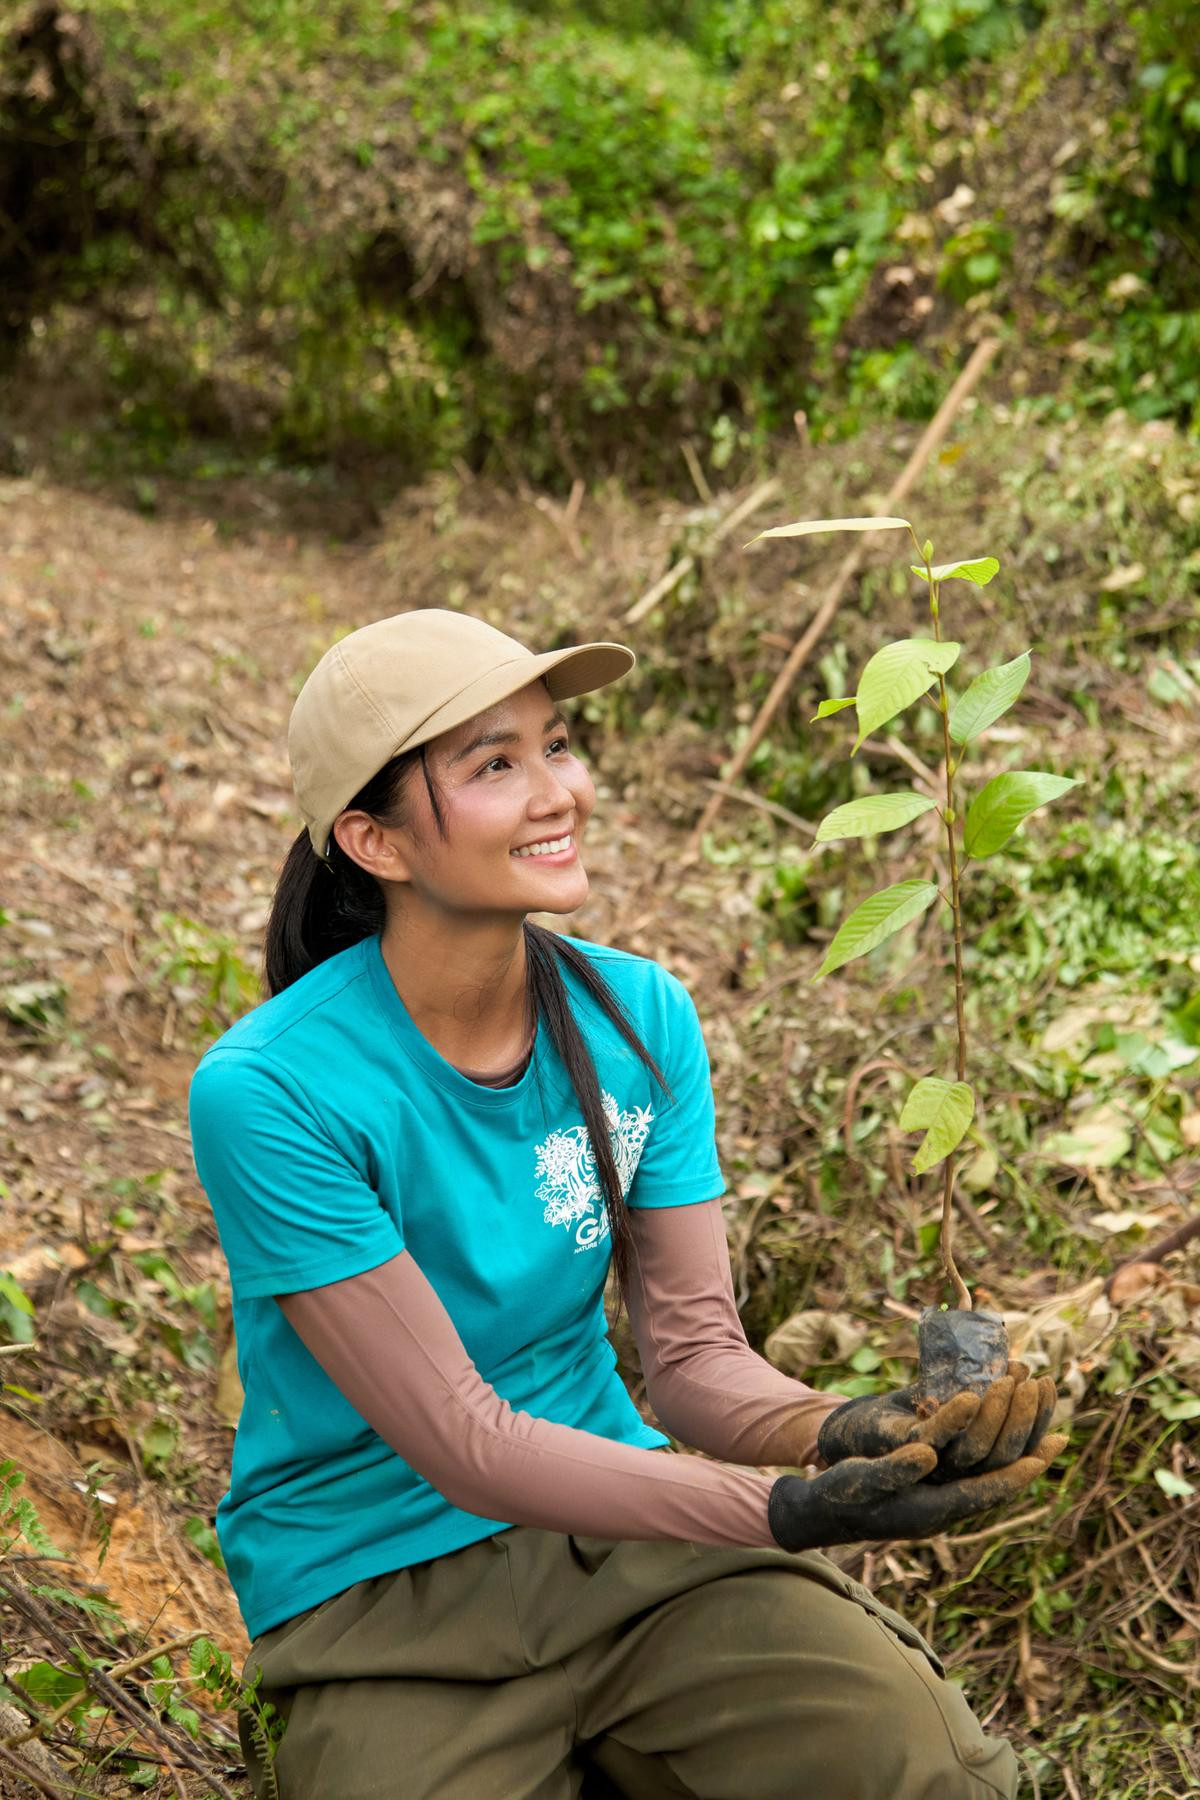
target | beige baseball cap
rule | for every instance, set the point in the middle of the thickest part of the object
(402, 681)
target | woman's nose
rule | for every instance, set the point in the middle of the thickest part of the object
(550, 793)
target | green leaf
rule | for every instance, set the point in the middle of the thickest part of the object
(201, 1534)
(878, 812)
(1144, 1056)
(946, 1109)
(828, 707)
(988, 697)
(877, 918)
(896, 676)
(158, 1443)
(1000, 807)
(979, 569)
(808, 527)
(50, 1686)
(24, 1521)
(1178, 1410)
(1177, 1486)
(16, 1310)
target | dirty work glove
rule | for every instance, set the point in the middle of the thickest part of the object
(888, 1497)
(970, 1435)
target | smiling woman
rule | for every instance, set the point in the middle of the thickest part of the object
(491, 832)
(465, 1562)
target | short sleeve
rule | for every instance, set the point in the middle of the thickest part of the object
(679, 1165)
(292, 1211)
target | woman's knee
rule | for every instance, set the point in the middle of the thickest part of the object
(815, 1691)
(918, 1738)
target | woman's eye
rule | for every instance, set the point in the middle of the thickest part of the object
(497, 762)
(560, 746)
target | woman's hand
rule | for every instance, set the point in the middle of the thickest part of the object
(889, 1496)
(969, 1435)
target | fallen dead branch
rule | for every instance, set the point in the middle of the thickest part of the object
(172, 1744)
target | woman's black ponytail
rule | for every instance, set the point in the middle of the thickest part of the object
(320, 908)
(545, 955)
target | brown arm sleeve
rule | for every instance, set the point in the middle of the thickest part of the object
(386, 1340)
(707, 1386)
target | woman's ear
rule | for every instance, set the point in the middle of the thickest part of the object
(372, 846)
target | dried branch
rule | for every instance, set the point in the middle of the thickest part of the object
(1174, 1240)
(174, 1743)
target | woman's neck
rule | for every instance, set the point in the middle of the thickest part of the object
(464, 989)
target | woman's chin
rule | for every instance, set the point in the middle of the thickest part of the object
(565, 896)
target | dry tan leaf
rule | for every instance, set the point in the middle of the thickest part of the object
(1134, 1282)
(1126, 576)
(1127, 1220)
(812, 1337)
(1189, 1128)
(111, 1333)
(1097, 1139)
(1038, 1679)
(809, 527)
(227, 1396)
(31, 1264)
(1064, 1332)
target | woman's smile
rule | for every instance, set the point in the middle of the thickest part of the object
(557, 850)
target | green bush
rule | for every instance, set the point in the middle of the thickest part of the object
(550, 235)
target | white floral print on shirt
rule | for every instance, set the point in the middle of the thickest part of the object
(570, 1186)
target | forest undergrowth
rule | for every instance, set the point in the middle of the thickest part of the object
(149, 663)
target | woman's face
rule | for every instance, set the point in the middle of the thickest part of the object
(514, 802)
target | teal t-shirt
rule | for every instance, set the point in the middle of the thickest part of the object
(329, 1135)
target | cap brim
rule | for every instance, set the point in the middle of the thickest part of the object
(567, 673)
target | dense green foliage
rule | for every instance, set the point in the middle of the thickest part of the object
(544, 234)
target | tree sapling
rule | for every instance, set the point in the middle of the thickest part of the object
(961, 1348)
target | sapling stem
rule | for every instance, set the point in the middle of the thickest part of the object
(949, 819)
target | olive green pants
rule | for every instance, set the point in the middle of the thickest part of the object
(539, 1666)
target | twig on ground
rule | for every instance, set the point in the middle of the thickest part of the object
(1138, 1537)
(765, 491)
(172, 1742)
(699, 479)
(1157, 1253)
(135, 1662)
(891, 746)
(1163, 1592)
(563, 517)
(26, 1772)
(1001, 1527)
(1188, 1673)
(768, 806)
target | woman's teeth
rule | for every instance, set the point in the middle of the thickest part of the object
(550, 848)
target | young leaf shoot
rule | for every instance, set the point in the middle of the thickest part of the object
(894, 678)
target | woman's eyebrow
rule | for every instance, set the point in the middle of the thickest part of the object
(486, 738)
